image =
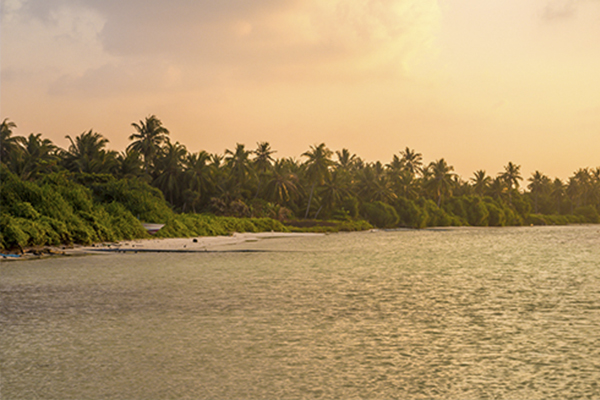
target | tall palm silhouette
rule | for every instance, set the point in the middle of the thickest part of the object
(9, 144)
(130, 164)
(36, 156)
(440, 178)
(240, 168)
(346, 160)
(87, 154)
(262, 163)
(412, 160)
(283, 185)
(372, 184)
(317, 168)
(169, 171)
(538, 182)
(199, 175)
(511, 176)
(333, 191)
(481, 182)
(557, 192)
(150, 135)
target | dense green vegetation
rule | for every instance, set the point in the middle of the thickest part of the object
(88, 193)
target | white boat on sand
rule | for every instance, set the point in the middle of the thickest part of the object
(152, 228)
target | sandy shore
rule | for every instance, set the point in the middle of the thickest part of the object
(232, 243)
(182, 245)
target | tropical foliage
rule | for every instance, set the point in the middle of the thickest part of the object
(156, 180)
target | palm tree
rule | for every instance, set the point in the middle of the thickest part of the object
(511, 176)
(9, 144)
(199, 175)
(557, 193)
(583, 178)
(149, 137)
(169, 167)
(440, 180)
(481, 182)
(263, 159)
(36, 156)
(317, 168)
(216, 160)
(412, 160)
(346, 161)
(130, 164)
(406, 185)
(538, 182)
(498, 187)
(333, 191)
(283, 185)
(402, 178)
(372, 184)
(397, 165)
(240, 169)
(263, 162)
(86, 154)
(595, 190)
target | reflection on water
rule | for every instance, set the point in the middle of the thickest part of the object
(449, 314)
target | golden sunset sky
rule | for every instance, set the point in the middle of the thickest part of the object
(478, 82)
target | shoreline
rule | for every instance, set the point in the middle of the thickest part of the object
(198, 244)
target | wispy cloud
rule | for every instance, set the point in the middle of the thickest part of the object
(305, 39)
(557, 10)
(111, 47)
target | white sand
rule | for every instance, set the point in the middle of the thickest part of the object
(200, 243)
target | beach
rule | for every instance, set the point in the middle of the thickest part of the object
(231, 243)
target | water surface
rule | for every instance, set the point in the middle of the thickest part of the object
(507, 313)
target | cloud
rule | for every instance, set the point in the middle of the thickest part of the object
(559, 10)
(126, 78)
(253, 39)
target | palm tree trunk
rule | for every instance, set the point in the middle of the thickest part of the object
(318, 211)
(257, 189)
(312, 189)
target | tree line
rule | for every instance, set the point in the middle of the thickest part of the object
(323, 185)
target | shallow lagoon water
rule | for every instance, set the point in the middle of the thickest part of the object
(467, 313)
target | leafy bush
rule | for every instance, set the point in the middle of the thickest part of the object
(24, 209)
(380, 214)
(496, 215)
(124, 224)
(589, 213)
(142, 200)
(409, 213)
(12, 234)
(351, 206)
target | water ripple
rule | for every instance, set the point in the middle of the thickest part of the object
(456, 314)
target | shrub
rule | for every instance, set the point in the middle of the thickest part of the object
(12, 234)
(409, 213)
(496, 213)
(351, 206)
(142, 200)
(477, 212)
(123, 223)
(59, 232)
(589, 214)
(24, 209)
(380, 214)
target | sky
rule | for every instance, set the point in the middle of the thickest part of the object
(476, 82)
